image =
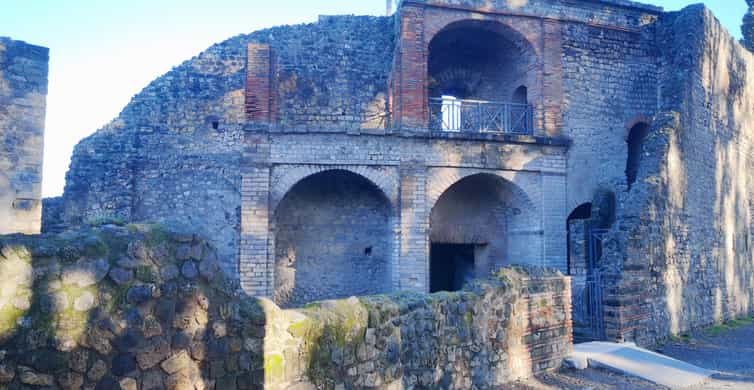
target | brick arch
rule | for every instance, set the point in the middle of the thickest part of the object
(638, 119)
(288, 178)
(522, 37)
(439, 184)
(575, 203)
(524, 41)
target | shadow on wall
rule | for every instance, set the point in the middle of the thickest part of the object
(138, 307)
(333, 239)
(689, 237)
(128, 308)
(702, 210)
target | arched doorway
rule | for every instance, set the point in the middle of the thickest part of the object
(475, 68)
(635, 140)
(578, 227)
(588, 225)
(478, 224)
(332, 239)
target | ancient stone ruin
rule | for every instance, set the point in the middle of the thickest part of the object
(396, 156)
(140, 307)
(363, 155)
(23, 93)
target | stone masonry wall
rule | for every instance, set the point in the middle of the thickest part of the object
(332, 239)
(681, 255)
(23, 99)
(141, 307)
(610, 81)
(173, 154)
(531, 169)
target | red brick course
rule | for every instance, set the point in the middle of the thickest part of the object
(261, 105)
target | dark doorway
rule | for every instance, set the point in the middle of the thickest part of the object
(635, 140)
(451, 266)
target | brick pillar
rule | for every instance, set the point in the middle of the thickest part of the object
(261, 104)
(554, 221)
(255, 263)
(552, 91)
(414, 263)
(410, 71)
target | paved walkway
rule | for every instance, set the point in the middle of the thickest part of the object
(728, 353)
(631, 360)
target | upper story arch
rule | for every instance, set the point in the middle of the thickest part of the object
(478, 55)
(480, 59)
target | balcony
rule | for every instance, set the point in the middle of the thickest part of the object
(479, 116)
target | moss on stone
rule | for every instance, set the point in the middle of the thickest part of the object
(9, 316)
(301, 328)
(156, 235)
(273, 368)
(147, 273)
(313, 305)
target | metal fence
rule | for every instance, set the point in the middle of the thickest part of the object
(594, 283)
(459, 115)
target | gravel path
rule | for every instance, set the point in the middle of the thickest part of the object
(728, 352)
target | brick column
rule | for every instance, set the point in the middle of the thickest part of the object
(554, 221)
(410, 71)
(414, 255)
(552, 91)
(261, 104)
(255, 263)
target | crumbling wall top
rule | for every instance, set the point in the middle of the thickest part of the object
(518, 4)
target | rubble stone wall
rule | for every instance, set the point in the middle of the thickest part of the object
(140, 307)
(23, 99)
(173, 155)
(680, 256)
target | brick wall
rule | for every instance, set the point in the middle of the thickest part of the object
(610, 80)
(333, 238)
(536, 28)
(23, 94)
(261, 102)
(412, 173)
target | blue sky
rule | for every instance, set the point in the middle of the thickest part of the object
(102, 52)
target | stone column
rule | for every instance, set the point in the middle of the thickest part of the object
(554, 213)
(414, 255)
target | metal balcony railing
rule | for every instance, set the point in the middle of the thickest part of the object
(479, 116)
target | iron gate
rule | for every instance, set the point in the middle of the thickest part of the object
(588, 311)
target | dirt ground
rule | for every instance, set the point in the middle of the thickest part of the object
(727, 350)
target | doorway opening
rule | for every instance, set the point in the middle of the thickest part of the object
(451, 266)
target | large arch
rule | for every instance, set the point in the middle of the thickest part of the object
(284, 177)
(332, 238)
(477, 224)
(480, 59)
